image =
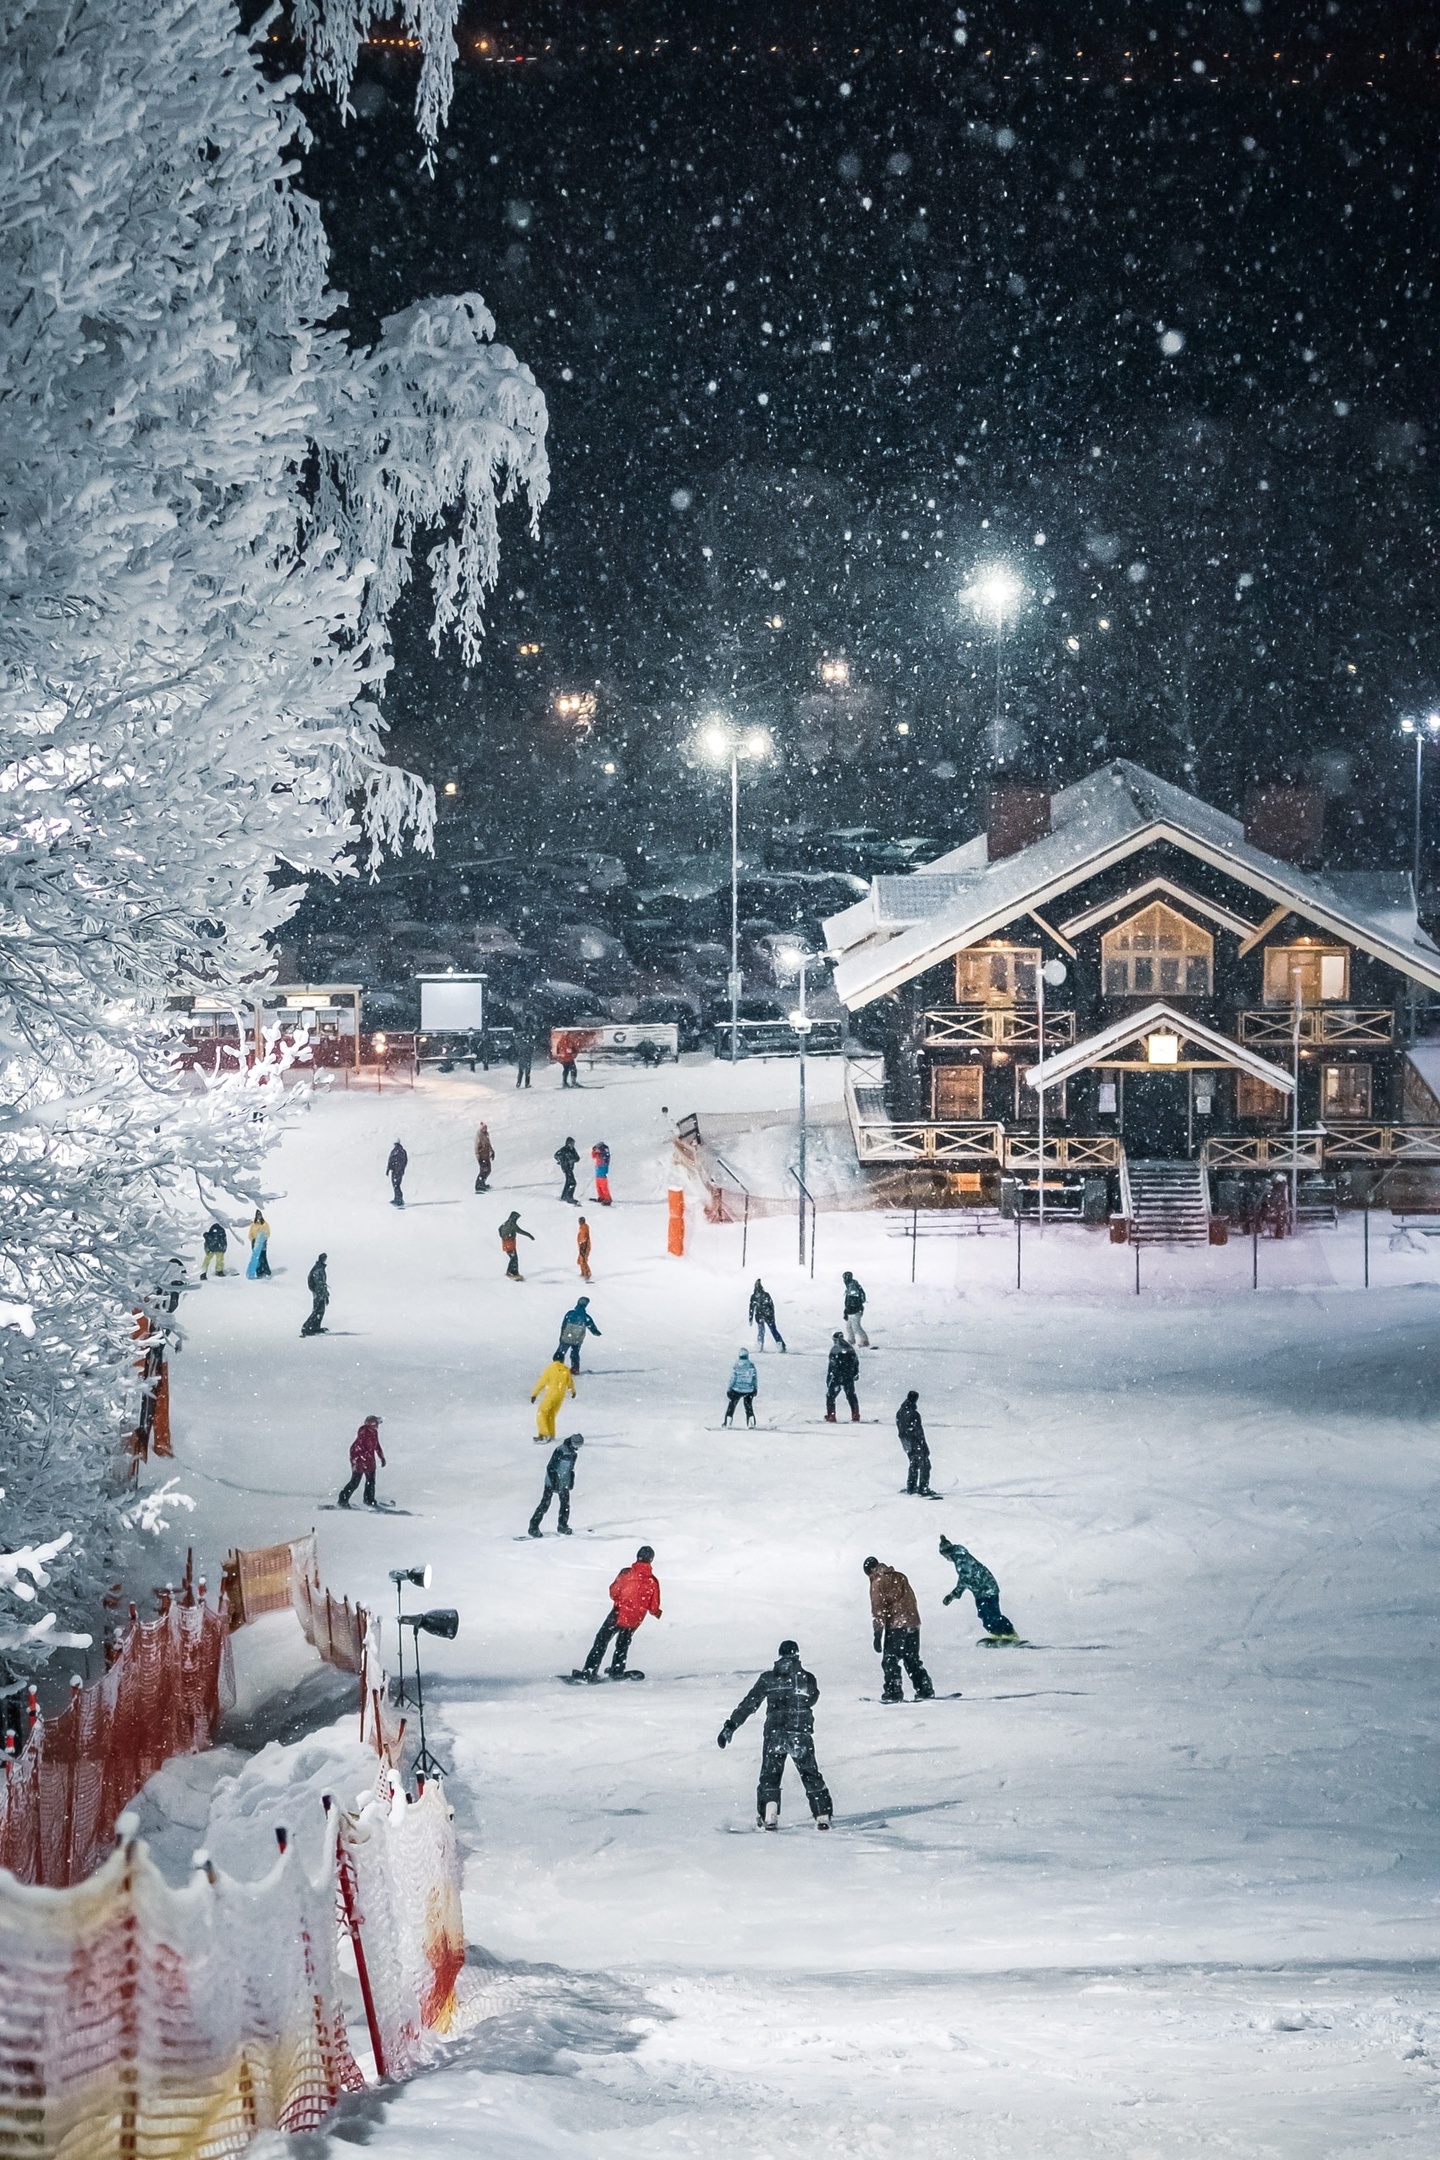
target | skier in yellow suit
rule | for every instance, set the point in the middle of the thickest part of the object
(552, 1387)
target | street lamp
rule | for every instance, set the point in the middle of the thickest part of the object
(721, 744)
(1054, 973)
(1425, 729)
(793, 961)
(995, 591)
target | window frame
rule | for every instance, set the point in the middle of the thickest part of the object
(1316, 953)
(1350, 1069)
(1246, 1084)
(989, 952)
(1144, 972)
(958, 1065)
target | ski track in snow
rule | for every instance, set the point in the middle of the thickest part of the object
(1168, 1886)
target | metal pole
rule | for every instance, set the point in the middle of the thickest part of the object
(1137, 1267)
(1419, 766)
(999, 649)
(1255, 1254)
(914, 1238)
(802, 1031)
(1367, 1245)
(734, 904)
(813, 1212)
(1295, 1121)
(1017, 1237)
(1039, 1091)
(745, 1234)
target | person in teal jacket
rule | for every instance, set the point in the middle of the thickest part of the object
(973, 1575)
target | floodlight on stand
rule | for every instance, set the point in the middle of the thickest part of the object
(444, 1621)
(420, 1578)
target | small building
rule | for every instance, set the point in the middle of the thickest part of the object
(1119, 973)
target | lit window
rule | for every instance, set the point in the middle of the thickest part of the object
(1255, 1099)
(1311, 974)
(957, 1091)
(1157, 952)
(996, 975)
(1345, 1091)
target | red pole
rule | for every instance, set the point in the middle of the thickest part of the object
(352, 1921)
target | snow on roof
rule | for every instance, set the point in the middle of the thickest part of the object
(1425, 1057)
(885, 939)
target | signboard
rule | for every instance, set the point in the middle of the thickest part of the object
(624, 1039)
(451, 1004)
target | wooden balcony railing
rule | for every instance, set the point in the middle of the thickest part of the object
(1324, 1024)
(995, 1027)
(957, 1142)
(1264, 1151)
(1382, 1143)
(1063, 1151)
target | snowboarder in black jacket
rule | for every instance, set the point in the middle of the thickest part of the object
(317, 1282)
(567, 1157)
(762, 1312)
(841, 1371)
(395, 1170)
(559, 1482)
(789, 1694)
(911, 1429)
(853, 1312)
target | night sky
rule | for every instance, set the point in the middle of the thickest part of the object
(831, 306)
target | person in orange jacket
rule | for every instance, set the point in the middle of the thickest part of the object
(552, 1387)
(582, 1247)
(634, 1592)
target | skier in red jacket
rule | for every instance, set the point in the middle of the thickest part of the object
(634, 1592)
(364, 1450)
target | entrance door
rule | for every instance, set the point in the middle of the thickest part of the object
(1155, 1119)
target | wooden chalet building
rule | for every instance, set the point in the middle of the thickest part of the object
(1224, 1004)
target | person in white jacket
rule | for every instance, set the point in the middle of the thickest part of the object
(744, 1380)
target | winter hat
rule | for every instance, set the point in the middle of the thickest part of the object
(374, 1418)
(575, 1439)
(788, 1648)
(914, 1395)
(646, 1552)
(582, 1301)
(870, 1565)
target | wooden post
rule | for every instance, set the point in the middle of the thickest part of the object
(352, 1922)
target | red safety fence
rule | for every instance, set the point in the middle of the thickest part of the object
(164, 1695)
(269, 1578)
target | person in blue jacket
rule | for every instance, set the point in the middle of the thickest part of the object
(575, 1326)
(744, 1380)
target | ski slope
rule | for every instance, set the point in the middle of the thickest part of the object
(1165, 1883)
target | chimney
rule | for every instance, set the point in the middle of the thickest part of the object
(1287, 821)
(1014, 817)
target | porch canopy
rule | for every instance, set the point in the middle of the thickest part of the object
(1184, 1045)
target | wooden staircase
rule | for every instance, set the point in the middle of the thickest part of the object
(1169, 1204)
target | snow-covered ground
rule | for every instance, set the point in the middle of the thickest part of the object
(1165, 1882)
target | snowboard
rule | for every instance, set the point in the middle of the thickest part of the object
(381, 1507)
(583, 1679)
(906, 1494)
(908, 1700)
(1004, 1642)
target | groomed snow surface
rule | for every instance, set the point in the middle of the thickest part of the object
(1165, 1882)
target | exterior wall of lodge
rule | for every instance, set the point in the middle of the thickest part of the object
(926, 1079)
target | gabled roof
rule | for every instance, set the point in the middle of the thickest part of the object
(908, 924)
(1152, 1020)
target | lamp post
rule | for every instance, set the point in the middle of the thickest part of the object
(720, 744)
(1425, 729)
(1054, 973)
(994, 590)
(795, 961)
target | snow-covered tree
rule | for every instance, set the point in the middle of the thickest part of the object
(209, 503)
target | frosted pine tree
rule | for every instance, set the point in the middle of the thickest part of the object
(210, 504)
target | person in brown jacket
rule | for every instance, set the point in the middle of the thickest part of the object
(582, 1247)
(484, 1159)
(897, 1632)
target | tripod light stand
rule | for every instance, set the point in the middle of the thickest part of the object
(420, 1577)
(445, 1622)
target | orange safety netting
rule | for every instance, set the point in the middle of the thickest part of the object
(139, 2020)
(403, 1869)
(163, 1696)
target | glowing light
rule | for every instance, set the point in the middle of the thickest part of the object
(527, 652)
(452, 787)
(995, 590)
(1162, 1048)
(836, 672)
(575, 704)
